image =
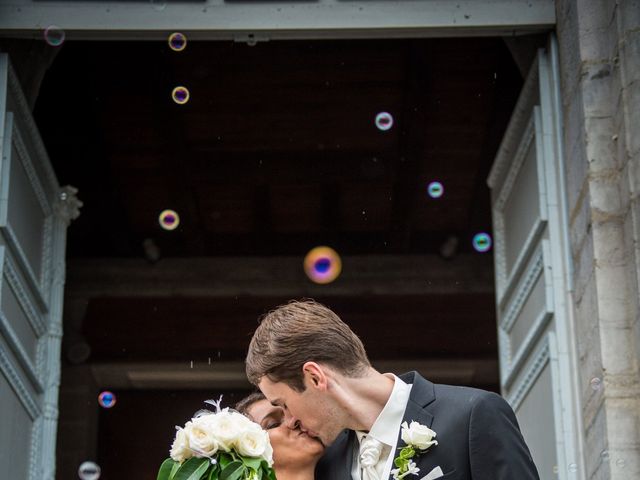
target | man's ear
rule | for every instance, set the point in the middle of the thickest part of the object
(314, 375)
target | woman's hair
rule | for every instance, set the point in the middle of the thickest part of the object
(299, 332)
(243, 405)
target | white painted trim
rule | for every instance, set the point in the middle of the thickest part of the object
(530, 376)
(520, 358)
(505, 279)
(23, 358)
(35, 320)
(278, 20)
(24, 395)
(517, 303)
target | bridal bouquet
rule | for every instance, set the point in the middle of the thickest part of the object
(220, 445)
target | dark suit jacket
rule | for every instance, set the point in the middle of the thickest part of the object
(477, 432)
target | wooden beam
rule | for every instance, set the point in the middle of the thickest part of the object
(231, 375)
(262, 21)
(277, 276)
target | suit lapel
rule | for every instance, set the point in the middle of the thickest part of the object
(422, 394)
(344, 448)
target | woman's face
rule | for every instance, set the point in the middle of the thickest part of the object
(291, 448)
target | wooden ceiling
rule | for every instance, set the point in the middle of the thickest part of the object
(277, 152)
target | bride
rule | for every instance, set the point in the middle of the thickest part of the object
(295, 453)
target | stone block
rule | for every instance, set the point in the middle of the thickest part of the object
(629, 15)
(596, 90)
(600, 148)
(605, 198)
(618, 351)
(632, 114)
(628, 56)
(595, 439)
(583, 267)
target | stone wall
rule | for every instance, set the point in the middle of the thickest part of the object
(600, 79)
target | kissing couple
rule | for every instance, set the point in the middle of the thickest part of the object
(331, 416)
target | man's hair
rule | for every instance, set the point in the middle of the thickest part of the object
(303, 331)
(243, 405)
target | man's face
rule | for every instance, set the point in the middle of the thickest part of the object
(311, 410)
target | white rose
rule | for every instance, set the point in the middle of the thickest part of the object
(252, 442)
(268, 452)
(202, 439)
(227, 427)
(180, 450)
(419, 436)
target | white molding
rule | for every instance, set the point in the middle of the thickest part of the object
(278, 20)
(520, 358)
(505, 279)
(27, 164)
(23, 358)
(26, 398)
(24, 115)
(13, 244)
(530, 278)
(530, 376)
(518, 122)
(9, 271)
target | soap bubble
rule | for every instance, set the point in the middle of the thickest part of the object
(384, 121)
(435, 189)
(322, 265)
(107, 399)
(180, 95)
(177, 41)
(54, 35)
(89, 471)
(169, 220)
(573, 467)
(482, 242)
(605, 455)
(596, 383)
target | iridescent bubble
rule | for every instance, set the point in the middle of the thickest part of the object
(620, 462)
(322, 265)
(573, 467)
(555, 469)
(435, 190)
(54, 35)
(384, 121)
(596, 383)
(107, 399)
(180, 95)
(482, 242)
(605, 455)
(89, 471)
(169, 220)
(177, 41)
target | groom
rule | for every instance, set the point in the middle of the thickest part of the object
(310, 363)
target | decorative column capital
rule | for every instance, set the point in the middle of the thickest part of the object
(67, 205)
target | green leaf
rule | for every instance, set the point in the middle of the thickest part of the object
(251, 462)
(214, 473)
(233, 471)
(166, 468)
(192, 469)
(175, 468)
(224, 459)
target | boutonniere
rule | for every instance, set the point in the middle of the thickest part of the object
(419, 438)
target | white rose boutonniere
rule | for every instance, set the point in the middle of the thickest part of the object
(419, 438)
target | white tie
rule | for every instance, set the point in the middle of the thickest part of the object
(370, 450)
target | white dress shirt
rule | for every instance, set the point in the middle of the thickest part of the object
(385, 429)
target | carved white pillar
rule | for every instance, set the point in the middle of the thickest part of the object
(65, 209)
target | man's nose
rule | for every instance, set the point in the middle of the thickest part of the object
(291, 422)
